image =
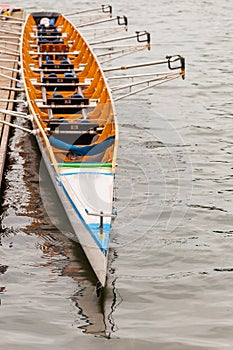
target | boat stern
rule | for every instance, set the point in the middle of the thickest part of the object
(89, 202)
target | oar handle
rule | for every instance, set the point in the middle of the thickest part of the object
(107, 9)
(147, 39)
(175, 58)
(181, 66)
(122, 21)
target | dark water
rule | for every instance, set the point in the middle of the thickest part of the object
(170, 266)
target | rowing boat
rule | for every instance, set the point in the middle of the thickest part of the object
(74, 118)
(74, 115)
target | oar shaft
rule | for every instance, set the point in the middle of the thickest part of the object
(116, 39)
(132, 76)
(122, 50)
(9, 49)
(11, 78)
(9, 42)
(13, 19)
(8, 37)
(10, 69)
(6, 31)
(104, 8)
(11, 89)
(122, 53)
(16, 114)
(83, 11)
(33, 132)
(97, 22)
(8, 53)
(7, 25)
(104, 29)
(8, 60)
(14, 101)
(143, 89)
(146, 64)
(164, 78)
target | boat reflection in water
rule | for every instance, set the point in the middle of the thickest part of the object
(92, 310)
(95, 313)
(27, 229)
(93, 316)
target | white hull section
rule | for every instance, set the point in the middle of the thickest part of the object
(83, 190)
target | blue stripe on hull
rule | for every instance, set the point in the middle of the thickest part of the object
(106, 232)
(93, 229)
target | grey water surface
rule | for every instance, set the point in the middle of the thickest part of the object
(170, 276)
